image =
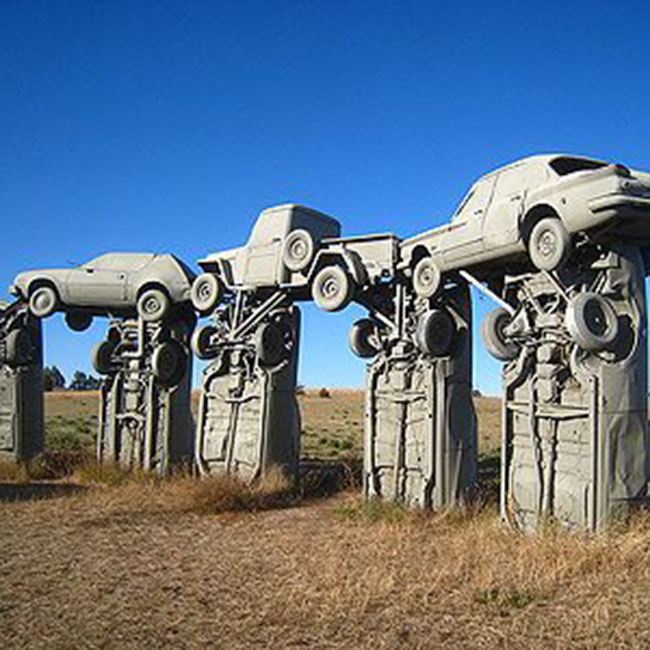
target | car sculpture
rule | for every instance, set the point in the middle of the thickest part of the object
(114, 283)
(536, 205)
(279, 253)
(292, 251)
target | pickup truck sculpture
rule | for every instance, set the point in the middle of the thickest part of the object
(535, 205)
(297, 250)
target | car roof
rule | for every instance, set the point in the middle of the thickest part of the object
(538, 159)
(123, 260)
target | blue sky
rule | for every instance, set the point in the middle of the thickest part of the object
(168, 126)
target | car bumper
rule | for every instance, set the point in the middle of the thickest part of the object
(618, 202)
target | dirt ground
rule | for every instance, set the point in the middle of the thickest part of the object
(142, 565)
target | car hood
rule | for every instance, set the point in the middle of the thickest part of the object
(23, 280)
(228, 255)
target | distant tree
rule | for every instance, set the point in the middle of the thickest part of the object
(53, 378)
(82, 381)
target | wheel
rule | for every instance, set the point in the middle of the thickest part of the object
(435, 332)
(101, 357)
(168, 363)
(591, 321)
(270, 344)
(426, 278)
(495, 341)
(201, 342)
(298, 250)
(363, 338)
(153, 305)
(549, 244)
(332, 289)
(206, 293)
(78, 321)
(43, 301)
(19, 348)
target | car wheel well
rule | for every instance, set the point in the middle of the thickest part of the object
(152, 285)
(419, 252)
(327, 260)
(533, 217)
(42, 282)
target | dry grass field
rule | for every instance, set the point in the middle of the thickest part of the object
(190, 564)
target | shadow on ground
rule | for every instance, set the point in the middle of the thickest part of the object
(489, 476)
(322, 479)
(31, 491)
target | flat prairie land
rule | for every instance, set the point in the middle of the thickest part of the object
(189, 564)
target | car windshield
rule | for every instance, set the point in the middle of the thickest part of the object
(564, 166)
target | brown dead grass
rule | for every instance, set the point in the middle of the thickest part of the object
(142, 565)
(142, 562)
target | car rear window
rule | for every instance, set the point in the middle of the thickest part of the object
(564, 166)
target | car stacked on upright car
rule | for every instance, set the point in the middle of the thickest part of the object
(532, 213)
(148, 284)
(536, 205)
(296, 252)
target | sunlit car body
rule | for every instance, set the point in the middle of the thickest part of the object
(110, 283)
(261, 262)
(499, 213)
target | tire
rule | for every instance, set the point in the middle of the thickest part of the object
(362, 338)
(549, 244)
(270, 345)
(332, 289)
(200, 342)
(591, 321)
(426, 278)
(298, 250)
(43, 301)
(78, 321)
(435, 333)
(493, 337)
(207, 292)
(153, 305)
(101, 357)
(19, 348)
(168, 363)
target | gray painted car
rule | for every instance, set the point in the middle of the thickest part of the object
(280, 252)
(535, 205)
(298, 251)
(113, 283)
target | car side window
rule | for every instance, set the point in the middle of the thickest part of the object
(476, 201)
(513, 183)
(510, 183)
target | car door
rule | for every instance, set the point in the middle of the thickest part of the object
(464, 240)
(263, 251)
(510, 203)
(501, 225)
(100, 283)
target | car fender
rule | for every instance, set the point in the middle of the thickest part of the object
(350, 261)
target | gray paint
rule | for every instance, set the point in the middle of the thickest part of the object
(420, 425)
(144, 422)
(111, 283)
(575, 439)
(22, 433)
(492, 223)
(248, 419)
